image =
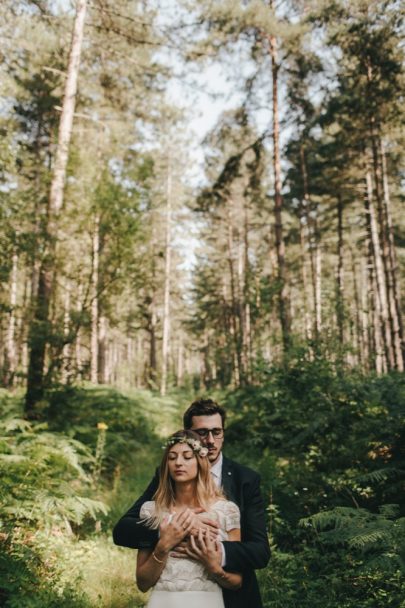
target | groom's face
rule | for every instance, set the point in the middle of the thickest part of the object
(211, 433)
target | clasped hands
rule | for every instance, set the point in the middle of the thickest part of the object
(188, 535)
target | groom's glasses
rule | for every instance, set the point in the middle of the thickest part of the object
(203, 433)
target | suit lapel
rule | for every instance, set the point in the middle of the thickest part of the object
(228, 481)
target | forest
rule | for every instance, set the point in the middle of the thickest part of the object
(202, 198)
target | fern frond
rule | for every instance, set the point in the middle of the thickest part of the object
(11, 425)
(8, 459)
(368, 537)
(380, 475)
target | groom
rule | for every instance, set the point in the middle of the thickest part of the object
(240, 484)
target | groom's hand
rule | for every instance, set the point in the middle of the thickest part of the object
(200, 523)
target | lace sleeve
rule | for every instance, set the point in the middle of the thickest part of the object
(232, 516)
(147, 510)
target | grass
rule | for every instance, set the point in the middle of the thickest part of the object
(108, 574)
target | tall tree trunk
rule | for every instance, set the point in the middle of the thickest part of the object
(304, 267)
(396, 313)
(166, 301)
(241, 301)
(278, 202)
(366, 296)
(357, 308)
(40, 327)
(94, 311)
(151, 328)
(10, 358)
(180, 361)
(102, 377)
(305, 223)
(318, 292)
(235, 319)
(247, 333)
(381, 304)
(395, 357)
(384, 247)
(139, 364)
(78, 345)
(67, 346)
(339, 273)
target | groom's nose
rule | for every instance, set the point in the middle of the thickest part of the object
(210, 437)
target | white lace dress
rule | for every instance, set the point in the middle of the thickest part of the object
(184, 583)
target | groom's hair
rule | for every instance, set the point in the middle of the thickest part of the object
(202, 407)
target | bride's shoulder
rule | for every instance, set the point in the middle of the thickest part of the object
(228, 513)
(147, 509)
(225, 506)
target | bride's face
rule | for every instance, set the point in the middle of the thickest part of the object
(182, 463)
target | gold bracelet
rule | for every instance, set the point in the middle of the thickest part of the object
(159, 561)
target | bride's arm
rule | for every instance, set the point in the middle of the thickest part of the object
(149, 564)
(209, 553)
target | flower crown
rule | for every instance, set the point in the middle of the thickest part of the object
(193, 443)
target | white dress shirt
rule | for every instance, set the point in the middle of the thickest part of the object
(216, 471)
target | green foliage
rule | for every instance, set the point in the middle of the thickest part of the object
(52, 551)
(44, 478)
(77, 412)
(44, 495)
(319, 578)
(329, 446)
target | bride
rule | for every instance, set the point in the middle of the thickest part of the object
(186, 488)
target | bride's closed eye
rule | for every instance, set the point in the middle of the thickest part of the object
(186, 456)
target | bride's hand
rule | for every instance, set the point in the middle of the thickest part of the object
(173, 530)
(202, 522)
(206, 550)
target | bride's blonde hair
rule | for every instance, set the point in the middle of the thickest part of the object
(206, 492)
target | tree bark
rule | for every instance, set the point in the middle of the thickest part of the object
(167, 281)
(102, 377)
(10, 358)
(180, 361)
(395, 356)
(278, 203)
(339, 273)
(40, 327)
(151, 329)
(366, 296)
(67, 347)
(94, 311)
(235, 319)
(381, 321)
(396, 312)
(357, 308)
(247, 331)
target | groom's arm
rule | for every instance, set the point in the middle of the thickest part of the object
(253, 552)
(129, 532)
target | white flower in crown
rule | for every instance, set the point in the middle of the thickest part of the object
(193, 443)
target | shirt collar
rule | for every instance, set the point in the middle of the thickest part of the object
(216, 469)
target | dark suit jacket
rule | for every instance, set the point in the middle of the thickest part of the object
(242, 486)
